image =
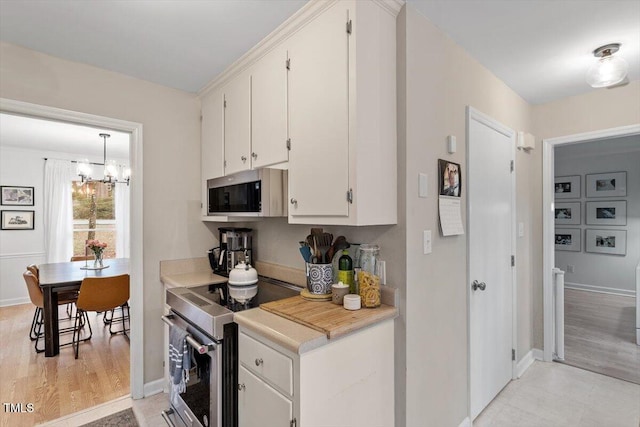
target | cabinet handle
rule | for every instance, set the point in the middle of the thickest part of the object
(241, 387)
(294, 201)
(254, 155)
(258, 362)
(243, 158)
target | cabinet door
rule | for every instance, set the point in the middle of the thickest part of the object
(319, 116)
(259, 404)
(212, 135)
(237, 124)
(269, 109)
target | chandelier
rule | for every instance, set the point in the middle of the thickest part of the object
(110, 175)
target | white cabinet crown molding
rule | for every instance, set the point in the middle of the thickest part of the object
(298, 20)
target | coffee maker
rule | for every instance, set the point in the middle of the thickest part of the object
(235, 246)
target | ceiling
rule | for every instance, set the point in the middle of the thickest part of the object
(540, 48)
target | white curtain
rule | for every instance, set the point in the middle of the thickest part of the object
(58, 210)
(121, 198)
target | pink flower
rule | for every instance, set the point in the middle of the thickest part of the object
(96, 245)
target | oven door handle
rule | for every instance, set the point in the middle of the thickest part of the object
(200, 348)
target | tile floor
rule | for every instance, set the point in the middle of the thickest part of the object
(547, 395)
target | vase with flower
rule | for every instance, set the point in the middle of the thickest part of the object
(97, 247)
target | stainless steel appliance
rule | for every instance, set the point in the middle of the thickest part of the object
(259, 192)
(211, 396)
(235, 246)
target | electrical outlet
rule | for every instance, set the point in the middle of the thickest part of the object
(571, 268)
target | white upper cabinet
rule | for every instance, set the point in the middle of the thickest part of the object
(237, 124)
(212, 141)
(319, 117)
(269, 109)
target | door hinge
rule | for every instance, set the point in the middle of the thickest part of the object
(225, 164)
(289, 144)
(513, 354)
(225, 103)
(513, 260)
(293, 423)
(288, 63)
(512, 165)
(350, 196)
(349, 26)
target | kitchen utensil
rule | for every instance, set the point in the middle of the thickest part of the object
(324, 243)
(338, 245)
(305, 251)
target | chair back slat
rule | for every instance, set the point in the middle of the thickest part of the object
(82, 258)
(103, 293)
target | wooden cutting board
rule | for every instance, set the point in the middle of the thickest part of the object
(326, 317)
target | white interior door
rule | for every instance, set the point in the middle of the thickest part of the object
(491, 244)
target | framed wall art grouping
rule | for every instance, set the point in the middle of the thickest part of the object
(567, 187)
(567, 213)
(612, 212)
(16, 196)
(609, 184)
(17, 220)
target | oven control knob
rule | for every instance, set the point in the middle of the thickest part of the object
(258, 362)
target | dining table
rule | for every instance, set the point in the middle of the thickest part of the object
(68, 276)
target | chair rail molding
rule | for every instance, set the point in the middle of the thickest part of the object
(22, 255)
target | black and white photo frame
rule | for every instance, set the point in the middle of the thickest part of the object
(567, 187)
(17, 220)
(16, 195)
(567, 213)
(612, 212)
(568, 239)
(611, 242)
(609, 184)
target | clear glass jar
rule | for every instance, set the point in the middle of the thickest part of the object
(368, 281)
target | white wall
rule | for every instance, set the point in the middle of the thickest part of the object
(19, 248)
(171, 155)
(601, 272)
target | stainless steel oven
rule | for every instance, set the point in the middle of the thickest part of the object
(206, 314)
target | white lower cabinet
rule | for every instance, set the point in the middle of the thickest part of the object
(259, 404)
(346, 382)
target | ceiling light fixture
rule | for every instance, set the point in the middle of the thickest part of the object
(609, 70)
(110, 168)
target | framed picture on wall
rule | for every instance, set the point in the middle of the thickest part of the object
(568, 239)
(607, 213)
(17, 220)
(610, 184)
(612, 242)
(567, 213)
(16, 196)
(567, 187)
(450, 178)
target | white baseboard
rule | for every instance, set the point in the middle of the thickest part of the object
(528, 359)
(14, 301)
(465, 423)
(153, 387)
(600, 289)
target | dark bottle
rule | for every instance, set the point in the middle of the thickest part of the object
(345, 271)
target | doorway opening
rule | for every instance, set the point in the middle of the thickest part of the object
(134, 132)
(592, 234)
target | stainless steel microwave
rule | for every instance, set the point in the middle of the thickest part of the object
(258, 192)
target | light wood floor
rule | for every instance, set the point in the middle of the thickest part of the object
(61, 385)
(600, 334)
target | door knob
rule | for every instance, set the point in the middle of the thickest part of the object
(241, 387)
(294, 201)
(254, 155)
(243, 158)
(259, 362)
(478, 285)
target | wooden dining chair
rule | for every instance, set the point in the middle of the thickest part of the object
(99, 294)
(37, 299)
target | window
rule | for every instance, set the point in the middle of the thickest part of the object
(93, 216)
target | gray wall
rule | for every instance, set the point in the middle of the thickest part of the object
(601, 272)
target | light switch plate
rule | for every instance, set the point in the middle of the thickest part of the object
(422, 185)
(426, 241)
